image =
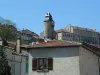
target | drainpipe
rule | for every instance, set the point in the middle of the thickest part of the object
(99, 66)
(20, 65)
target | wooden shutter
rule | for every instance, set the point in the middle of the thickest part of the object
(38, 63)
(50, 63)
(34, 64)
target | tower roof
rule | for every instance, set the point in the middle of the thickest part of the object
(48, 16)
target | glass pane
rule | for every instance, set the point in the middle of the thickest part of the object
(40, 63)
(45, 63)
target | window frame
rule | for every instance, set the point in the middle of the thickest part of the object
(37, 60)
(13, 70)
(43, 61)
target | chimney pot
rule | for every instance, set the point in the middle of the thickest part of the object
(18, 43)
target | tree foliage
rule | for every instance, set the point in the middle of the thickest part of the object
(4, 67)
(8, 30)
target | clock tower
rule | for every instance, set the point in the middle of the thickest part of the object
(49, 24)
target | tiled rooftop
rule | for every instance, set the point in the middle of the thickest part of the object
(61, 30)
(76, 27)
(88, 29)
(28, 32)
(56, 43)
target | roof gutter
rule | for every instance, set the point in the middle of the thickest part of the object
(51, 46)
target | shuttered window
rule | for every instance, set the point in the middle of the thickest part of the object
(50, 64)
(34, 64)
(42, 63)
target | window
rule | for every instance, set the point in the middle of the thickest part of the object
(13, 69)
(42, 63)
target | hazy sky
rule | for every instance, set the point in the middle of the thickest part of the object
(30, 13)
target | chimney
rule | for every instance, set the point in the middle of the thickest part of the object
(1, 42)
(18, 43)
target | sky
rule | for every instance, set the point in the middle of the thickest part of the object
(30, 14)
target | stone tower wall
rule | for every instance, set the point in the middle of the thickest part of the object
(48, 29)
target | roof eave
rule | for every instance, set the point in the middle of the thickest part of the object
(51, 46)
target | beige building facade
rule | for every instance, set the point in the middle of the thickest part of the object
(79, 34)
(63, 35)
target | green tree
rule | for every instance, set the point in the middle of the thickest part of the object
(4, 67)
(8, 31)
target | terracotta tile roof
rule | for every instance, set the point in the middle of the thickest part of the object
(61, 30)
(76, 27)
(56, 43)
(88, 29)
(94, 45)
(32, 34)
(98, 33)
(28, 32)
(93, 48)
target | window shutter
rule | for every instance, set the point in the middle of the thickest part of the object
(34, 64)
(50, 63)
(26, 67)
(38, 63)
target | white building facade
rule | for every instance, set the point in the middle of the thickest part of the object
(63, 58)
(19, 64)
(65, 62)
(89, 63)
